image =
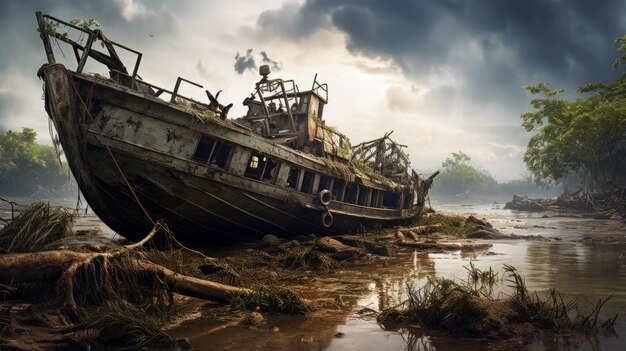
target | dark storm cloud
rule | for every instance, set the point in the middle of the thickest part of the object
(498, 45)
(274, 64)
(18, 18)
(244, 63)
(21, 50)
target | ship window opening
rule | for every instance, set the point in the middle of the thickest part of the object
(292, 181)
(307, 182)
(203, 150)
(221, 154)
(374, 198)
(390, 200)
(407, 200)
(255, 166)
(351, 193)
(338, 189)
(324, 183)
(363, 196)
(270, 172)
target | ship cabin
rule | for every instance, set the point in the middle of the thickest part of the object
(278, 110)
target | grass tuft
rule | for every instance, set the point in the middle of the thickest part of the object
(552, 311)
(470, 308)
(450, 224)
(439, 304)
(479, 280)
(122, 326)
(38, 227)
(271, 299)
(306, 257)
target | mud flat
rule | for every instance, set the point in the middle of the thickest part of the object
(345, 283)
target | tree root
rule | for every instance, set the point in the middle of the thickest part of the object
(62, 266)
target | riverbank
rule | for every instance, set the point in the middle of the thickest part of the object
(574, 255)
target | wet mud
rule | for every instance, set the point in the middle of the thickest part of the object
(576, 255)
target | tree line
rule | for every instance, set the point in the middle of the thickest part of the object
(30, 169)
(584, 138)
(460, 178)
(581, 142)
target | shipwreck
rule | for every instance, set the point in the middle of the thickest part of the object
(139, 158)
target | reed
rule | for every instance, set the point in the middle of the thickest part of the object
(553, 311)
(470, 308)
(122, 326)
(37, 227)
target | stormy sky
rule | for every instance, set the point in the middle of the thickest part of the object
(444, 75)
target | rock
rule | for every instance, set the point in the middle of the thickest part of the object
(523, 203)
(480, 222)
(289, 245)
(350, 253)
(400, 237)
(362, 243)
(485, 234)
(270, 240)
(254, 319)
(330, 245)
(411, 235)
(337, 250)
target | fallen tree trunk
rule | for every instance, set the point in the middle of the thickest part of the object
(59, 266)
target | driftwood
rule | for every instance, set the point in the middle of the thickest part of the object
(602, 205)
(61, 266)
(523, 203)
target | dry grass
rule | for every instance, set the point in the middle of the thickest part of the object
(553, 311)
(123, 327)
(38, 227)
(104, 280)
(450, 224)
(469, 308)
(271, 299)
(440, 304)
(307, 258)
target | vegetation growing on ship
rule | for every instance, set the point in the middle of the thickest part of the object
(28, 168)
(585, 137)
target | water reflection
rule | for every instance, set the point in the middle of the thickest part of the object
(579, 257)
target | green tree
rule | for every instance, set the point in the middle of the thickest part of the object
(585, 137)
(28, 168)
(459, 176)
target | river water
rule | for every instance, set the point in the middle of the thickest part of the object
(577, 256)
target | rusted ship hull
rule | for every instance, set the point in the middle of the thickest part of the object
(132, 155)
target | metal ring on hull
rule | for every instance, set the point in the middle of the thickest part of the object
(326, 219)
(324, 197)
